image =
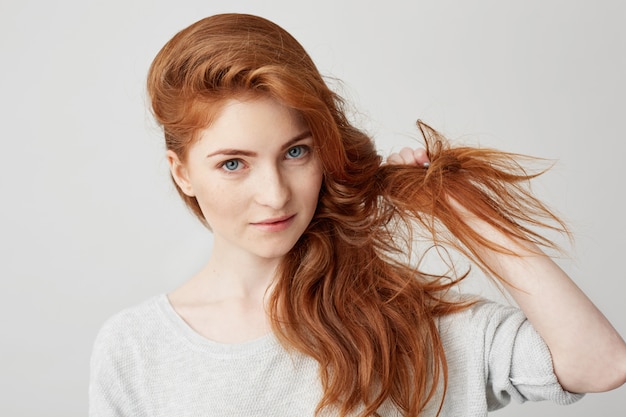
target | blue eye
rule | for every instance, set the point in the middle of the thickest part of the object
(231, 165)
(297, 151)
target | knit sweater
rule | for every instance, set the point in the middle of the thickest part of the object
(147, 362)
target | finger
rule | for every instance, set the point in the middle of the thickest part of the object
(421, 157)
(407, 156)
(394, 159)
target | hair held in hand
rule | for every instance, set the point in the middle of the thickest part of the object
(347, 294)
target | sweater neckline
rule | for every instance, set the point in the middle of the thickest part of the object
(199, 342)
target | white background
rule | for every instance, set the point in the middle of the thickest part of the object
(90, 223)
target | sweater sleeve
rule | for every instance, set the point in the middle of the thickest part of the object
(518, 363)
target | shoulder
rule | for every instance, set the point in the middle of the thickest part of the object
(132, 324)
(124, 345)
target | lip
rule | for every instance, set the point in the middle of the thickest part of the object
(275, 224)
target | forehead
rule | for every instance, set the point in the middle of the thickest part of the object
(252, 122)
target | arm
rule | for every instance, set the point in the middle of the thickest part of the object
(588, 353)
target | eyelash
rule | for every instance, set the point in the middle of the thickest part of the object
(304, 149)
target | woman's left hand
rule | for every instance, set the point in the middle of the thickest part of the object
(408, 156)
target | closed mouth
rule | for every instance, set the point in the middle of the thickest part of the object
(274, 220)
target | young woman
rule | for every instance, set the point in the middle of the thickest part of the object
(311, 303)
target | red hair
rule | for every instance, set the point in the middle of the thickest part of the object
(347, 294)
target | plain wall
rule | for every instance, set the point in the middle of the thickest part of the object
(90, 223)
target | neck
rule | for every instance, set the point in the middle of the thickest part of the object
(241, 277)
(226, 300)
(232, 275)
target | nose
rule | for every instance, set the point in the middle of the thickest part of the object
(272, 189)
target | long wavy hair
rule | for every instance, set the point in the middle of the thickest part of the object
(348, 294)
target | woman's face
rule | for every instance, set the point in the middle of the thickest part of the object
(255, 176)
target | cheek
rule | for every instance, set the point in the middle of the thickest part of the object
(314, 185)
(217, 202)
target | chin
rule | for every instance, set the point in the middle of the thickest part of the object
(275, 252)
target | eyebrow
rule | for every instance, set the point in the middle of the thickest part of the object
(241, 152)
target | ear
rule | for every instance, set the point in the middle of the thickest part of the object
(179, 173)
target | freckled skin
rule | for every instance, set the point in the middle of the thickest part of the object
(255, 176)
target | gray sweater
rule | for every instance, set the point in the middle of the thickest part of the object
(147, 361)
